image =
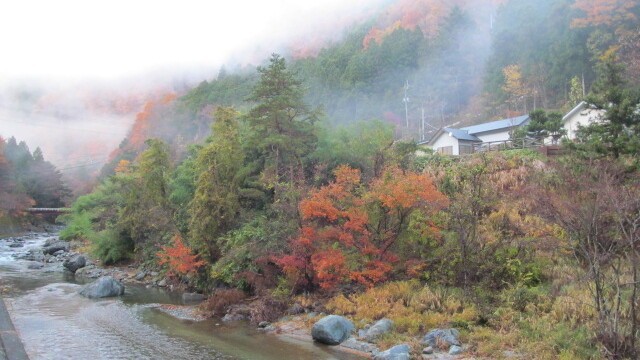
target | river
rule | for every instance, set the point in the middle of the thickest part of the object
(54, 322)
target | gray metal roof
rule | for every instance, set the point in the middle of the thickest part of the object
(496, 125)
(461, 134)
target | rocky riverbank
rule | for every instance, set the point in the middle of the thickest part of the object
(306, 324)
(56, 255)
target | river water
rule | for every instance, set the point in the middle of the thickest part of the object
(54, 322)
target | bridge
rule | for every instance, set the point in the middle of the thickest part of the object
(49, 210)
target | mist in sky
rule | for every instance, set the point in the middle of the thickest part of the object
(82, 40)
(73, 73)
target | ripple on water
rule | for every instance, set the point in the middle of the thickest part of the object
(68, 326)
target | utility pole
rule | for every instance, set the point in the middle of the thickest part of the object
(406, 103)
(422, 124)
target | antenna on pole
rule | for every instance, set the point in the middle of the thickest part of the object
(406, 103)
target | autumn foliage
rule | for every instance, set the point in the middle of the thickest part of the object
(348, 230)
(604, 12)
(179, 258)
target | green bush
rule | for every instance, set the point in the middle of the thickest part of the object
(78, 226)
(110, 247)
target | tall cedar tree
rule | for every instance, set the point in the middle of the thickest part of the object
(12, 201)
(215, 204)
(146, 215)
(618, 132)
(281, 123)
(31, 174)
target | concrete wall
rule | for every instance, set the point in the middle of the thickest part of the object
(443, 141)
(498, 135)
(581, 118)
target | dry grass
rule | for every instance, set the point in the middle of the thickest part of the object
(414, 308)
(530, 323)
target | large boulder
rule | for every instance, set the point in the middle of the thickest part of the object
(398, 352)
(55, 246)
(381, 327)
(442, 338)
(332, 330)
(75, 263)
(105, 286)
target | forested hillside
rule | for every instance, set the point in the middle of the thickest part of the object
(463, 62)
(27, 180)
(296, 185)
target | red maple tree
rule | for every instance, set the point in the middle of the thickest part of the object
(179, 258)
(348, 230)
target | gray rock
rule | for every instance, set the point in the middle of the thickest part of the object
(141, 275)
(233, 317)
(35, 266)
(332, 330)
(455, 350)
(58, 253)
(295, 309)
(57, 246)
(263, 324)
(353, 343)
(441, 337)
(427, 350)
(32, 255)
(192, 297)
(50, 241)
(398, 352)
(75, 263)
(105, 286)
(162, 283)
(381, 327)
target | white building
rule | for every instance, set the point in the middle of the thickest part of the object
(581, 115)
(450, 141)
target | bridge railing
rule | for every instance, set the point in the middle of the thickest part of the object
(49, 210)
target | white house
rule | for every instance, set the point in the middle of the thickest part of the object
(450, 141)
(581, 115)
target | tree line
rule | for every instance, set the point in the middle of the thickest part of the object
(27, 179)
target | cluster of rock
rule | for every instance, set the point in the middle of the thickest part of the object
(338, 330)
(53, 251)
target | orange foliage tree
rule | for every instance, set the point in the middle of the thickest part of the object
(179, 258)
(348, 230)
(604, 12)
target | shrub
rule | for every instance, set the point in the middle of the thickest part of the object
(179, 257)
(110, 247)
(221, 299)
(78, 227)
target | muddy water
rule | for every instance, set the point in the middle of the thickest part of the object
(54, 322)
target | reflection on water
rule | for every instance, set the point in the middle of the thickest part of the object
(56, 323)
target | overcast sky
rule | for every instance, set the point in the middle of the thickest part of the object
(85, 39)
